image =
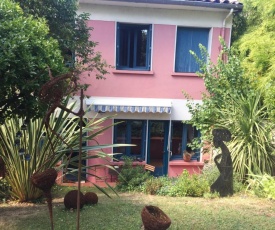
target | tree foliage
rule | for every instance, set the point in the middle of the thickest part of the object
(44, 35)
(26, 52)
(232, 103)
(257, 48)
(222, 80)
(70, 30)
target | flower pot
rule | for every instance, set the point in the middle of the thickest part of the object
(187, 157)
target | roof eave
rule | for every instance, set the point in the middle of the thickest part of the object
(222, 6)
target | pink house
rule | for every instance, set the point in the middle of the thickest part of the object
(148, 43)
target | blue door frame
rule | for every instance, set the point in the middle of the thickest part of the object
(157, 153)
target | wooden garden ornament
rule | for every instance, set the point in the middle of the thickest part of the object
(224, 183)
(153, 218)
(44, 181)
(52, 94)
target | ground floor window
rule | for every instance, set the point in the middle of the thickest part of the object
(151, 140)
(181, 135)
(130, 132)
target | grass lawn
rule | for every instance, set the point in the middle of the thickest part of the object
(123, 213)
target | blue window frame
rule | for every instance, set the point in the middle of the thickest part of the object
(130, 132)
(182, 134)
(133, 48)
(189, 39)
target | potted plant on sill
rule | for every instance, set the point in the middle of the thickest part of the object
(187, 155)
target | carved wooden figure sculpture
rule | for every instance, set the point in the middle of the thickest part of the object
(224, 183)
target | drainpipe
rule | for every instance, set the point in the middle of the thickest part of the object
(224, 22)
(223, 28)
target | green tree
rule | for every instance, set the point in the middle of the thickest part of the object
(232, 103)
(26, 52)
(70, 30)
(222, 80)
(29, 48)
(257, 48)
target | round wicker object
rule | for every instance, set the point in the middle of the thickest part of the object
(70, 200)
(154, 218)
(44, 180)
(90, 198)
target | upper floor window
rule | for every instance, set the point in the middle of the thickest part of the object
(189, 39)
(133, 48)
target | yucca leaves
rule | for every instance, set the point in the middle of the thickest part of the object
(251, 145)
(38, 143)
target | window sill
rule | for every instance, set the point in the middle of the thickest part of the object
(182, 162)
(174, 74)
(135, 72)
(120, 163)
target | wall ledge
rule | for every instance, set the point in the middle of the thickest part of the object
(176, 74)
(133, 72)
(184, 163)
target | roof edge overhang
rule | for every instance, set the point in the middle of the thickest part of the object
(176, 4)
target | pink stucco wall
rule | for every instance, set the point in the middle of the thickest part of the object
(161, 82)
(176, 167)
(104, 139)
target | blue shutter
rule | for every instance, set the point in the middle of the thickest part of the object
(189, 39)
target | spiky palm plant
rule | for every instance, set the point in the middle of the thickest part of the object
(42, 149)
(251, 145)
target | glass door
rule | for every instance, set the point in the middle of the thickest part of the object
(157, 154)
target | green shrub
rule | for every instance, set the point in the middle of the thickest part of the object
(189, 185)
(238, 184)
(4, 189)
(157, 185)
(131, 178)
(262, 186)
(211, 195)
(184, 185)
(210, 173)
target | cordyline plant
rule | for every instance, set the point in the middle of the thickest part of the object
(37, 152)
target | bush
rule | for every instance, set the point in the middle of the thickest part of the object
(4, 189)
(189, 185)
(210, 173)
(262, 186)
(184, 185)
(157, 185)
(238, 184)
(131, 178)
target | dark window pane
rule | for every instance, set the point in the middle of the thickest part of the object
(124, 43)
(121, 137)
(177, 138)
(136, 137)
(130, 132)
(141, 47)
(133, 46)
